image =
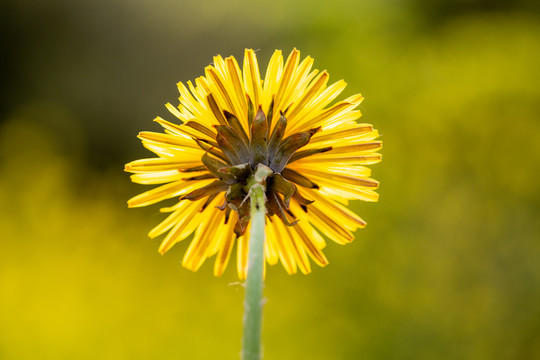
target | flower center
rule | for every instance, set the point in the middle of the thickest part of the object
(238, 160)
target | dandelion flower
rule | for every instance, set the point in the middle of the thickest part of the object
(232, 123)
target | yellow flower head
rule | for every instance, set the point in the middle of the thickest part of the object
(233, 123)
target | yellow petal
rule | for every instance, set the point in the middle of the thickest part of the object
(337, 212)
(316, 106)
(167, 139)
(328, 226)
(166, 191)
(201, 244)
(317, 175)
(271, 80)
(170, 221)
(352, 134)
(329, 159)
(286, 258)
(252, 80)
(270, 249)
(159, 177)
(161, 164)
(225, 249)
(220, 89)
(298, 83)
(183, 227)
(315, 88)
(348, 192)
(297, 248)
(242, 255)
(312, 250)
(235, 78)
(328, 116)
(190, 103)
(331, 168)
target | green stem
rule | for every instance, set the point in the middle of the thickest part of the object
(251, 342)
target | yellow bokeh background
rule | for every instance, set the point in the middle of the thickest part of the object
(447, 268)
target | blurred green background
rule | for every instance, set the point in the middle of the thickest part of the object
(448, 267)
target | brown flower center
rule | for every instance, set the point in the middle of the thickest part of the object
(235, 159)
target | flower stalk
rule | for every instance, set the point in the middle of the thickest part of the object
(251, 341)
